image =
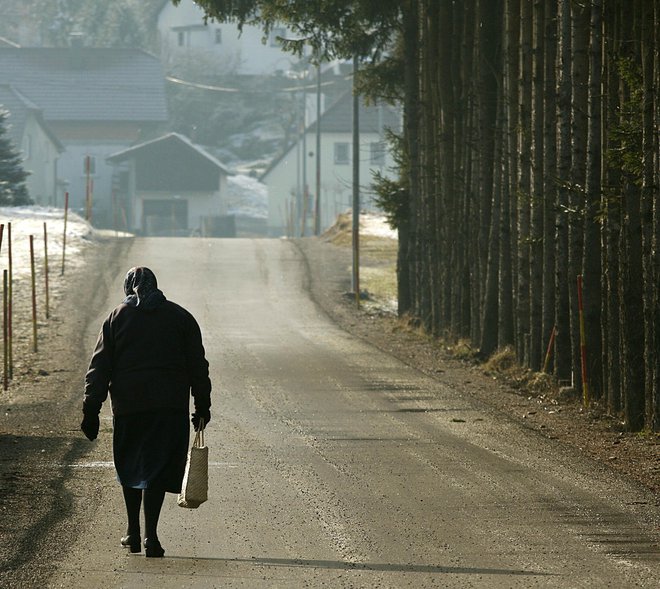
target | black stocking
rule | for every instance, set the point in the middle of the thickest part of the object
(133, 500)
(153, 501)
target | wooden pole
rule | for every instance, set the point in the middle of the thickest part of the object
(34, 295)
(66, 214)
(10, 314)
(46, 269)
(91, 200)
(2, 231)
(548, 353)
(87, 189)
(114, 213)
(583, 346)
(5, 330)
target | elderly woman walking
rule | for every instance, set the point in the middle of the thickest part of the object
(150, 358)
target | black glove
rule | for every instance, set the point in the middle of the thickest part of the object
(90, 426)
(205, 415)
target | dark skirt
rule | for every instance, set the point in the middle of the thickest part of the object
(150, 450)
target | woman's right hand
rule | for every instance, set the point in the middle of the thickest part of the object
(90, 426)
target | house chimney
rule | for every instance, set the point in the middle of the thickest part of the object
(77, 50)
(76, 40)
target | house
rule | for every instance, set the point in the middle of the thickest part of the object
(96, 101)
(220, 48)
(35, 140)
(172, 187)
(293, 175)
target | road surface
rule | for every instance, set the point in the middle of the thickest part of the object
(334, 465)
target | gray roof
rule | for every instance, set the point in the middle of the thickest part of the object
(126, 154)
(373, 118)
(339, 119)
(19, 108)
(88, 83)
(11, 101)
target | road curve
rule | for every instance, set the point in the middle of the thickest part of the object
(333, 464)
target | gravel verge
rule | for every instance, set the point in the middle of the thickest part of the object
(558, 417)
(40, 438)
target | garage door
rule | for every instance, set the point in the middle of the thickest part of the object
(165, 217)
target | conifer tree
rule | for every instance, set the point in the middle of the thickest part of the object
(13, 191)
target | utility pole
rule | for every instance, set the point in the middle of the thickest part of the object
(305, 188)
(317, 196)
(356, 186)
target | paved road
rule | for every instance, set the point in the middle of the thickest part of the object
(335, 465)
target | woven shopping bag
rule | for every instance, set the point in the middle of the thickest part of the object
(195, 488)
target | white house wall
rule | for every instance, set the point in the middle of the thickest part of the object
(200, 205)
(236, 53)
(71, 169)
(336, 180)
(41, 161)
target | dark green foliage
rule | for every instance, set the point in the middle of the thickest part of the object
(625, 133)
(332, 28)
(392, 196)
(13, 191)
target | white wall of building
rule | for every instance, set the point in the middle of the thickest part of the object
(183, 35)
(200, 205)
(40, 159)
(286, 179)
(71, 170)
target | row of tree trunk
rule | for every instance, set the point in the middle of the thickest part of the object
(532, 172)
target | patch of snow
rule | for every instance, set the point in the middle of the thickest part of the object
(247, 197)
(376, 225)
(29, 220)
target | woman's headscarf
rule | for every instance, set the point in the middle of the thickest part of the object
(141, 288)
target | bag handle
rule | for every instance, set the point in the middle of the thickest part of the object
(199, 435)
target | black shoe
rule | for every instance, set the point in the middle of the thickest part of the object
(132, 542)
(153, 549)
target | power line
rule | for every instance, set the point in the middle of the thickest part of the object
(234, 90)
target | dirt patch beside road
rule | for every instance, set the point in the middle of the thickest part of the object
(592, 432)
(39, 435)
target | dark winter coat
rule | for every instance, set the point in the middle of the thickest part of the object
(150, 358)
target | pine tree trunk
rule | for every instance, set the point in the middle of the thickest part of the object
(591, 268)
(509, 180)
(611, 227)
(488, 85)
(656, 212)
(447, 213)
(524, 177)
(408, 253)
(579, 81)
(549, 169)
(536, 245)
(648, 195)
(563, 365)
(429, 264)
(631, 287)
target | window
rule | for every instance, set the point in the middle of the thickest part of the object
(377, 153)
(218, 36)
(274, 34)
(341, 153)
(181, 38)
(89, 165)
